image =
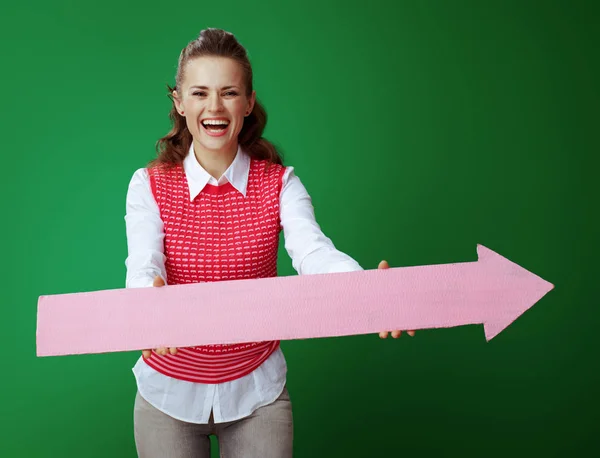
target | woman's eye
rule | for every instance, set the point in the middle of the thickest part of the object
(203, 94)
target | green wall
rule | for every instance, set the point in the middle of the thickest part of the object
(420, 128)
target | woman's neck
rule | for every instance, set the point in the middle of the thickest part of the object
(215, 162)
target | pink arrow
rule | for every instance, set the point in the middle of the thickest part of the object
(492, 291)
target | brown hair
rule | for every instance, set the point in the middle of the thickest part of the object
(174, 147)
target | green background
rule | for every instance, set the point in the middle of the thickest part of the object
(419, 128)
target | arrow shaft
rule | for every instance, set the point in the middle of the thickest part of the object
(281, 308)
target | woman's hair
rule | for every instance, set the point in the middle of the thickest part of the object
(174, 147)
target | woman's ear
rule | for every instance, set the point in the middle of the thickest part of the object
(251, 101)
(178, 103)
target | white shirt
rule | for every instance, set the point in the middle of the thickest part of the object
(311, 253)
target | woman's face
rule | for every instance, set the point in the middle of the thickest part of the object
(214, 102)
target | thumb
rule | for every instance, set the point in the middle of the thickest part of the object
(383, 265)
(158, 281)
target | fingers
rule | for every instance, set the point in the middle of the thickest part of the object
(383, 265)
(162, 351)
(385, 334)
(395, 334)
(158, 282)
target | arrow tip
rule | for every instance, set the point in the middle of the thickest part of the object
(524, 289)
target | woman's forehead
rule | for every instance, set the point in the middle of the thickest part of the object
(213, 71)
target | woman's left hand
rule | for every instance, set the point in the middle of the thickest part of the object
(395, 334)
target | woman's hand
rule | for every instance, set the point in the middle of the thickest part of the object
(158, 282)
(395, 334)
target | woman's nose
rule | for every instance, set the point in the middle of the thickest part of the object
(215, 103)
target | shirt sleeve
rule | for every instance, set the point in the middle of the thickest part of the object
(311, 251)
(145, 234)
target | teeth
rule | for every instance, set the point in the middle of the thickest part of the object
(215, 122)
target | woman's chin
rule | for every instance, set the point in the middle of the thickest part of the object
(218, 144)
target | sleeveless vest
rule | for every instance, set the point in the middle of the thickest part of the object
(220, 235)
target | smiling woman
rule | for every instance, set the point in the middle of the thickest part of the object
(211, 208)
(213, 98)
(214, 86)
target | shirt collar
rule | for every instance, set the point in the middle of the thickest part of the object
(198, 177)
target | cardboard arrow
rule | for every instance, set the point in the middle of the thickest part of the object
(492, 291)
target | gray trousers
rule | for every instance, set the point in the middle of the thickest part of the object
(267, 433)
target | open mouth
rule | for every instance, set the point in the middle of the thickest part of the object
(215, 126)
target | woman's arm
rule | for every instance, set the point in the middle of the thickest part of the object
(310, 250)
(145, 234)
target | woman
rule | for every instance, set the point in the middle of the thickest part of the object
(211, 208)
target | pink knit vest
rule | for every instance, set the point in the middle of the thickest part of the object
(220, 235)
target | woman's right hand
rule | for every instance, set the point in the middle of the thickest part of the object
(158, 282)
